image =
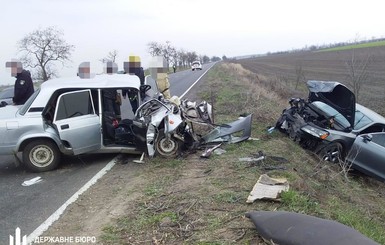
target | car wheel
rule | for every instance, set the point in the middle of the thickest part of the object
(41, 155)
(166, 147)
(332, 152)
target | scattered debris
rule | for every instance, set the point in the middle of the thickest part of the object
(267, 188)
(251, 159)
(140, 160)
(281, 227)
(270, 130)
(209, 151)
(255, 139)
(32, 181)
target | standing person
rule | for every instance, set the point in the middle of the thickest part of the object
(133, 67)
(23, 84)
(174, 67)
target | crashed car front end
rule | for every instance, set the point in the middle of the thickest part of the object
(170, 127)
(325, 117)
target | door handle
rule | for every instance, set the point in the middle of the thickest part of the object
(65, 126)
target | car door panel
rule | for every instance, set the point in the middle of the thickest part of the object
(77, 123)
(369, 155)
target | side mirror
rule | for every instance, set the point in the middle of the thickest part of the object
(367, 138)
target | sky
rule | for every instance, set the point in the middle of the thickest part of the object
(208, 27)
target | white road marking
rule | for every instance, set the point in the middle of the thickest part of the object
(196, 82)
(56, 215)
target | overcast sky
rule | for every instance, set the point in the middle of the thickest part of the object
(209, 27)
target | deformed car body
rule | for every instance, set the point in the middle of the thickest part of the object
(330, 122)
(74, 116)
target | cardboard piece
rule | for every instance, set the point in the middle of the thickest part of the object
(267, 188)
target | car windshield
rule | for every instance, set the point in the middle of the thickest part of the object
(361, 120)
(6, 93)
(195, 63)
(331, 112)
(28, 103)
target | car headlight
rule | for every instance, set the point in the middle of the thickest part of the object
(316, 132)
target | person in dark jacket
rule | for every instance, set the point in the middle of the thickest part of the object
(133, 67)
(23, 87)
(23, 84)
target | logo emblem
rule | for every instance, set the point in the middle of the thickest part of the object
(22, 82)
(18, 239)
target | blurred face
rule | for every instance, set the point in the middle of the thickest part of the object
(16, 67)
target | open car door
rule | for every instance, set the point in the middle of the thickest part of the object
(77, 123)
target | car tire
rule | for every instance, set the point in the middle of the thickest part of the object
(166, 147)
(41, 155)
(333, 152)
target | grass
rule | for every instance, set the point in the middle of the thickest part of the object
(355, 46)
(190, 200)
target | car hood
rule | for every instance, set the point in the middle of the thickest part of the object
(8, 112)
(335, 95)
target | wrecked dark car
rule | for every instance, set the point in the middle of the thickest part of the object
(330, 122)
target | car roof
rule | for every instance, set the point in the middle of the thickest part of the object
(99, 81)
(374, 116)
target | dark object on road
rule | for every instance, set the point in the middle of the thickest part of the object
(330, 123)
(289, 228)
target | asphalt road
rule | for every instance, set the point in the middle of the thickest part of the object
(27, 207)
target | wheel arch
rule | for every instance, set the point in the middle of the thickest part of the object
(25, 142)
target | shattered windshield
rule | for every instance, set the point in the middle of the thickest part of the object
(331, 112)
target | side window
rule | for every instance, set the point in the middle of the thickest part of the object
(379, 139)
(373, 129)
(74, 104)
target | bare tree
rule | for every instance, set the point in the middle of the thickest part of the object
(191, 56)
(110, 57)
(357, 72)
(300, 75)
(168, 51)
(205, 59)
(154, 48)
(41, 48)
(182, 58)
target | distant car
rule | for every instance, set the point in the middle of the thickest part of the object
(331, 124)
(196, 65)
(6, 96)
